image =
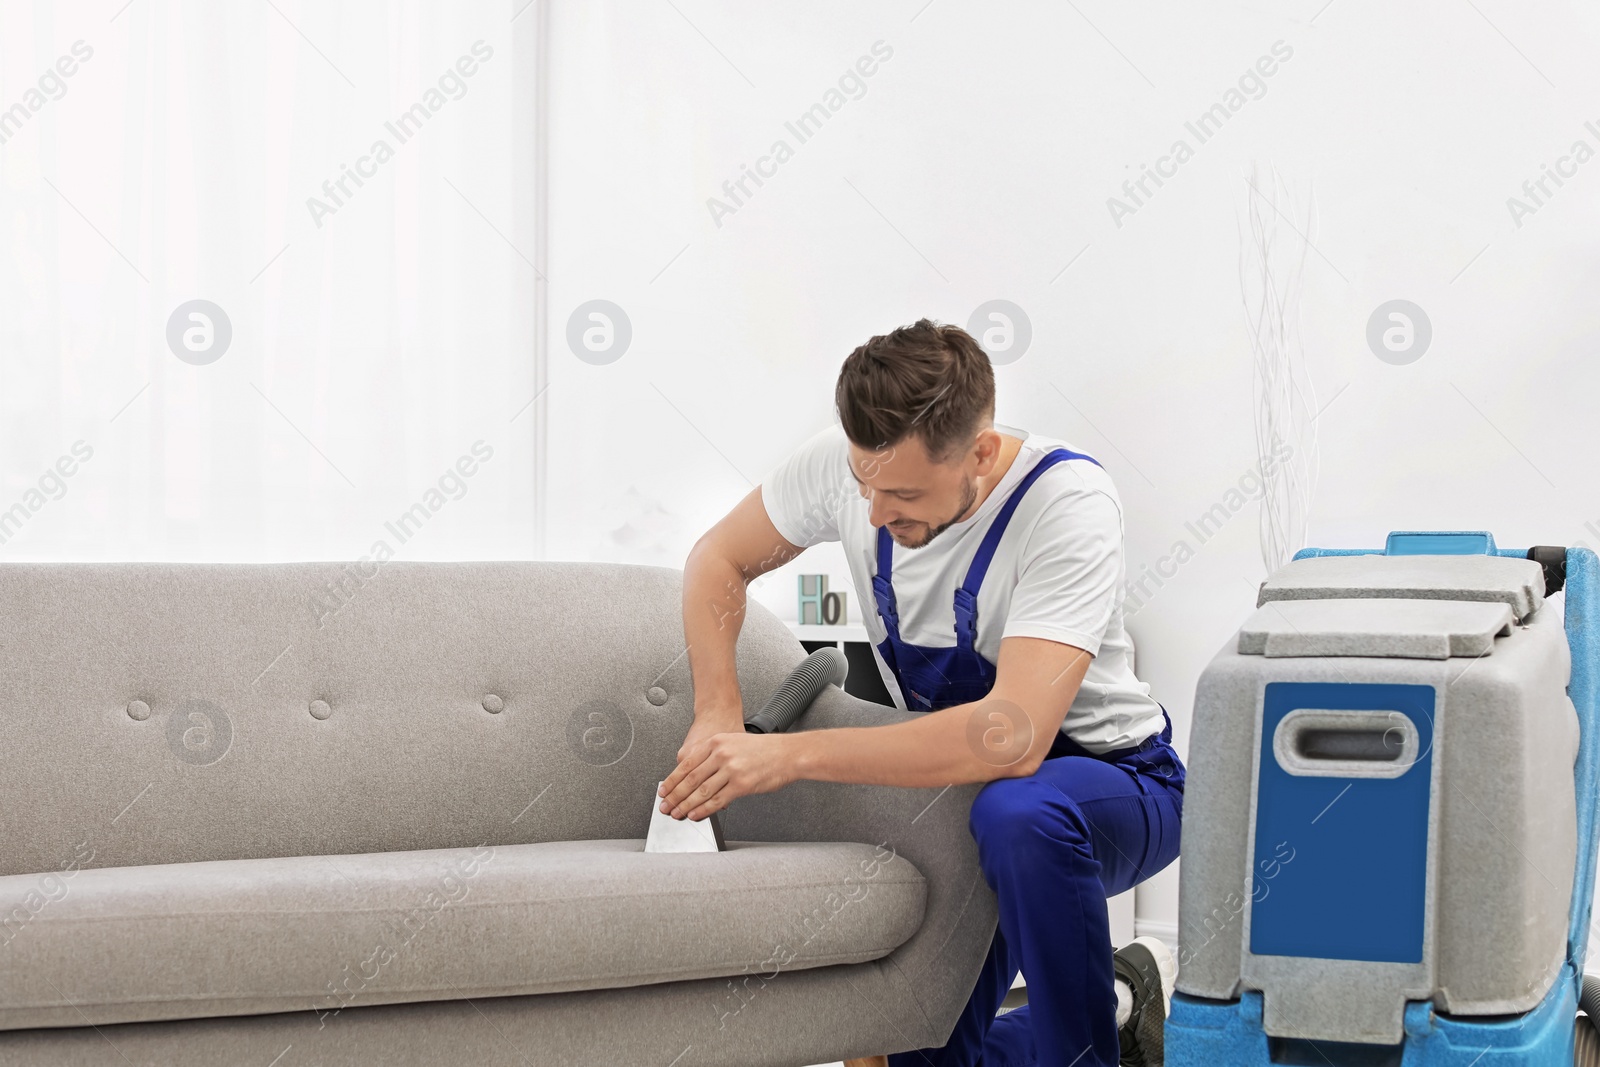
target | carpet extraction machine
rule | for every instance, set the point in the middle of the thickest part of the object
(1389, 822)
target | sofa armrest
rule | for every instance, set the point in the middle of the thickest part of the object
(928, 979)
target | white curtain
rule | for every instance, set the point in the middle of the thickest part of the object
(356, 187)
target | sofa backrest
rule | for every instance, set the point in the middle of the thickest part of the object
(168, 712)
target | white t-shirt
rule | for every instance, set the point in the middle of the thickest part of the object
(1056, 574)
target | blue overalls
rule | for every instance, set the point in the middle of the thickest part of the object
(1053, 846)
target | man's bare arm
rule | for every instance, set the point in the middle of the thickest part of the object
(1005, 735)
(743, 545)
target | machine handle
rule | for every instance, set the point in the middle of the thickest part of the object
(1346, 743)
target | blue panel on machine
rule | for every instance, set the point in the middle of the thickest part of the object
(1341, 858)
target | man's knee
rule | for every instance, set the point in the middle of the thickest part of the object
(1013, 815)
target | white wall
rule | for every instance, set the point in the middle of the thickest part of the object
(978, 164)
(375, 339)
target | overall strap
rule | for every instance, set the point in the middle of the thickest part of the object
(882, 587)
(883, 593)
(966, 598)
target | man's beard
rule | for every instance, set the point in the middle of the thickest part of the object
(968, 494)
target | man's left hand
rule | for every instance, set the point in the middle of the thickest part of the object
(721, 769)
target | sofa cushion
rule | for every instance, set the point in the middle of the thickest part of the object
(252, 936)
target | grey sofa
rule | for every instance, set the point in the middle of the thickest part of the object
(312, 813)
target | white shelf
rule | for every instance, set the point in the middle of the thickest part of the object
(811, 631)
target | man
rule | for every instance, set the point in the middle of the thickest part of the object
(993, 559)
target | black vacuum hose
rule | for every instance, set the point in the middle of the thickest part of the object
(1586, 1039)
(794, 695)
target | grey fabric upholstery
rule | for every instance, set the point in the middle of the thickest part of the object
(155, 714)
(270, 935)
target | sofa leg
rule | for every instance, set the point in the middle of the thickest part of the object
(868, 1061)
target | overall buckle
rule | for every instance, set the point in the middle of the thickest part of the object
(883, 593)
(966, 605)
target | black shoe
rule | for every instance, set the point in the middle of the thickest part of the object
(1150, 970)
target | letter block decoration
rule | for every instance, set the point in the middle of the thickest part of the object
(818, 606)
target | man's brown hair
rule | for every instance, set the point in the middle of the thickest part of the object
(929, 379)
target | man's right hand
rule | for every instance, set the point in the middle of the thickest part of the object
(712, 719)
(740, 548)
